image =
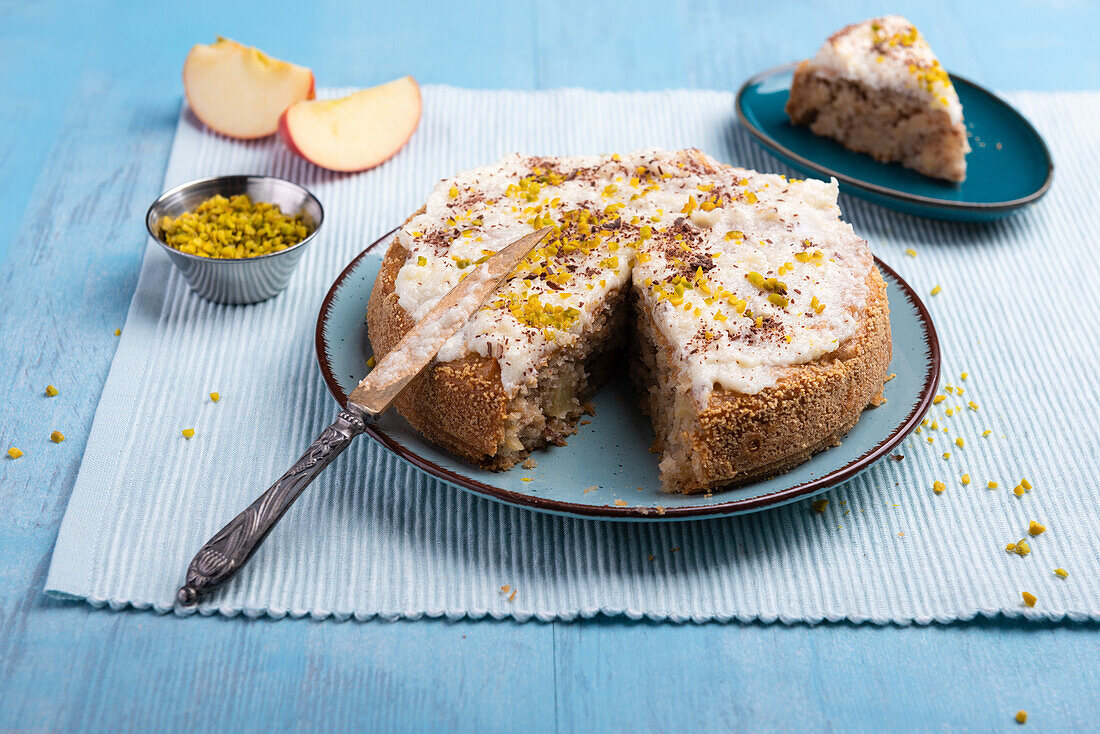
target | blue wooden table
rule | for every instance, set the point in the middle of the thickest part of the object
(89, 94)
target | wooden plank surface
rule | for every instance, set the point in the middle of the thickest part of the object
(90, 94)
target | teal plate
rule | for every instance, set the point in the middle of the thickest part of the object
(1008, 168)
(609, 458)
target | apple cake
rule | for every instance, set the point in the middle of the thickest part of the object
(751, 318)
(877, 88)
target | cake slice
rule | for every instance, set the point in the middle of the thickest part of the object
(877, 88)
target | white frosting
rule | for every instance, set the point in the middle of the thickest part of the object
(889, 53)
(480, 211)
(790, 220)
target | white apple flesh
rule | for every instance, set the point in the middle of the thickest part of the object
(356, 132)
(240, 91)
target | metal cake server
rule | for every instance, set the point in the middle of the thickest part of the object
(232, 546)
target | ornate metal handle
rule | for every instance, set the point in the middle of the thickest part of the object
(225, 553)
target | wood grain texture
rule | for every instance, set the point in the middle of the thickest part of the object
(90, 96)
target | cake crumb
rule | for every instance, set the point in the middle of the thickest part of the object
(1030, 598)
(188, 432)
(620, 503)
(14, 453)
(660, 510)
(593, 488)
(1061, 573)
(820, 505)
(57, 437)
(51, 391)
(530, 463)
(1021, 715)
(1034, 528)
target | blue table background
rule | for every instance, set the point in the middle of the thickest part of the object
(89, 94)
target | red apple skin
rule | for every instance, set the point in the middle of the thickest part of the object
(285, 135)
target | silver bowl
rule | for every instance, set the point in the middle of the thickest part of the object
(248, 279)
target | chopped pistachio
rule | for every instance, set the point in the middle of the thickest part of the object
(232, 228)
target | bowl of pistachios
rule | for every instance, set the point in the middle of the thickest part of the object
(236, 239)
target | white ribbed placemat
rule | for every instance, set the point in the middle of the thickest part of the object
(1018, 311)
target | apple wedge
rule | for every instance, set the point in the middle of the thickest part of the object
(239, 90)
(356, 132)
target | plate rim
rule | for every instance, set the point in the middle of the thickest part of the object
(894, 194)
(614, 512)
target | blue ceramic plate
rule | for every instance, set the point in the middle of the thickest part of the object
(609, 458)
(1008, 168)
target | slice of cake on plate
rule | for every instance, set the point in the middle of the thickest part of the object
(877, 88)
(758, 320)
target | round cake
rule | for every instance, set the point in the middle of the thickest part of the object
(751, 318)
